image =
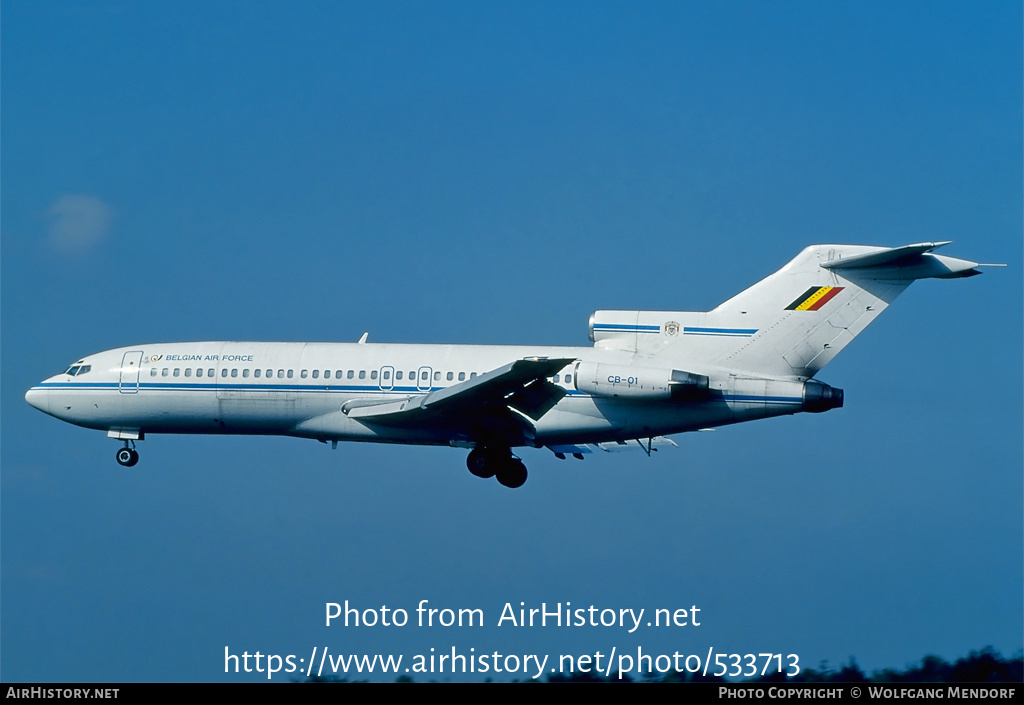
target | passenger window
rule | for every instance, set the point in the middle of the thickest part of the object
(437, 376)
(556, 378)
(398, 375)
(199, 372)
(245, 372)
(280, 374)
(224, 372)
(234, 372)
(177, 371)
(316, 374)
(373, 374)
(270, 374)
(164, 372)
(291, 374)
(339, 374)
(387, 375)
(462, 376)
(568, 379)
(256, 373)
(412, 376)
(152, 372)
(209, 372)
(351, 374)
(188, 371)
(303, 374)
(362, 374)
(472, 375)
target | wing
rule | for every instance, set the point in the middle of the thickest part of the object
(502, 401)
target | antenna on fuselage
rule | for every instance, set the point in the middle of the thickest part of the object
(365, 335)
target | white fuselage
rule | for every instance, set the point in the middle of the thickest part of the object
(305, 389)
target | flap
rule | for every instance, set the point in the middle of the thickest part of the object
(522, 383)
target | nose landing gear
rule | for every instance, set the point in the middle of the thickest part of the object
(127, 456)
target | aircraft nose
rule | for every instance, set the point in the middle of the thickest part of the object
(39, 398)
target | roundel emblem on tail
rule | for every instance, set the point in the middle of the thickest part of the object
(671, 328)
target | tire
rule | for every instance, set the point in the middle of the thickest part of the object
(512, 473)
(481, 463)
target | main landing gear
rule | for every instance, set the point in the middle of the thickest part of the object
(491, 461)
(128, 456)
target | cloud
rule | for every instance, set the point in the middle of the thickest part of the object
(78, 223)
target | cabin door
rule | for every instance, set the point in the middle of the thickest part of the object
(130, 365)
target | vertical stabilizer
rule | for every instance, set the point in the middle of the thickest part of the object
(790, 324)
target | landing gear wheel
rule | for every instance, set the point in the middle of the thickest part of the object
(127, 457)
(512, 473)
(481, 463)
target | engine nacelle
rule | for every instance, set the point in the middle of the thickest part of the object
(819, 397)
(785, 395)
(605, 380)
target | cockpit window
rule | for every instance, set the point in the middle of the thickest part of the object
(78, 370)
(84, 369)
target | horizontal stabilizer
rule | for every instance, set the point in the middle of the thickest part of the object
(906, 263)
(885, 256)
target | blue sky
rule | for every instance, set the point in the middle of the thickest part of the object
(492, 173)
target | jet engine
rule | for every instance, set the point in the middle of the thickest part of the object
(819, 397)
(606, 380)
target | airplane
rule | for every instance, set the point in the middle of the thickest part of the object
(649, 374)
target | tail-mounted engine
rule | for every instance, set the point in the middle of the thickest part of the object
(819, 397)
(604, 380)
(783, 396)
